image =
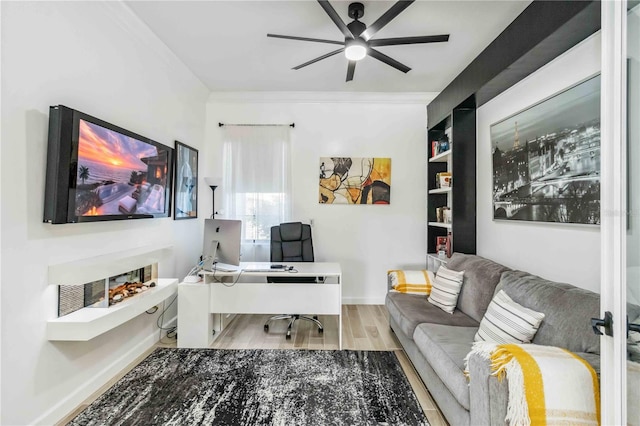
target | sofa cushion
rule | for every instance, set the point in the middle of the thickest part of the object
(409, 310)
(568, 310)
(480, 279)
(508, 322)
(445, 347)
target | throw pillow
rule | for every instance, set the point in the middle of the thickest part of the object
(446, 288)
(411, 282)
(507, 321)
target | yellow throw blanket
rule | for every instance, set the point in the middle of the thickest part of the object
(413, 282)
(547, 385)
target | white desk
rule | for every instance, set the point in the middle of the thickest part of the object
(201, 305)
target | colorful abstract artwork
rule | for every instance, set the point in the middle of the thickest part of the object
(353, 180)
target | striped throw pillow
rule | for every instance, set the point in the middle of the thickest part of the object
(446, 288)
(412, 282)
(507, 321)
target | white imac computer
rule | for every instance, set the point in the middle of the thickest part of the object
(221, 244)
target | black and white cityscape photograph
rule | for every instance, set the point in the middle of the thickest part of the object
(546, 159)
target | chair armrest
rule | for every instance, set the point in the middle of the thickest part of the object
(488, 395)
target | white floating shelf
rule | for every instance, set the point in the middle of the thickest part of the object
(440, 190)
(440, 224)
(87, 323)
(82, 271)
(443, 157)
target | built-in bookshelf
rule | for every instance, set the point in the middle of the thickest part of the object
(458, 132)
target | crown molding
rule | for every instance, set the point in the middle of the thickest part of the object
(422, 98)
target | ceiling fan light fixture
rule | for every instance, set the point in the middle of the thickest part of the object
(355, 50)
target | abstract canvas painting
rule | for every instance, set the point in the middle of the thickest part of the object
(546, 159)
(354, 180)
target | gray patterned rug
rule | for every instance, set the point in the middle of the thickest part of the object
(259, 387)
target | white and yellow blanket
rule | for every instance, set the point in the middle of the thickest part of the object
(547, 385)
(413, 282)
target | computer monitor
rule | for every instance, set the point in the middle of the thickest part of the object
(221, 242)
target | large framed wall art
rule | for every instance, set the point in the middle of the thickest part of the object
(186, 191)
(546, 159)
(355, 180)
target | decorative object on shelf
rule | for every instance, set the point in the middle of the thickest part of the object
(185, 205)
(441, 214)
(446, 215)
(353, 180)
(444, 180)
(441, 247)
(546, 159)
(358, 42)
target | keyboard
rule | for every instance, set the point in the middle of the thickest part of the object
(262, 268)
(224, 267)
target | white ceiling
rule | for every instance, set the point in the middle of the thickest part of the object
(224, 43)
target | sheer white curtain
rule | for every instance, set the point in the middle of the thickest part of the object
(257, 183)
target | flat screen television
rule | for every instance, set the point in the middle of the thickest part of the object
(98, 171)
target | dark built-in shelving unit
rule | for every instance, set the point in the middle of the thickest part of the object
(461, 162)
(542, 32)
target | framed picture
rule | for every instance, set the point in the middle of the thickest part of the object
(185, 204)
(355, 180)
(546, 159)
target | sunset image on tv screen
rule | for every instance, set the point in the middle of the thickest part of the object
(117, 174)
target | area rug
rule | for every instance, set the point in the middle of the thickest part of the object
(259, 387)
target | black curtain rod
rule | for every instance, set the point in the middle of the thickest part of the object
(256, 125)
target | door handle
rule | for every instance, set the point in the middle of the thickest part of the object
(632, 327)
(606, 322)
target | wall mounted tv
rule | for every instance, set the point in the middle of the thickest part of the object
(97, 171)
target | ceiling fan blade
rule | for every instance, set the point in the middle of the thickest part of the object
(313, 61)
(385, 18)
(389, 61)
(335, 18)
(408, 40)
(318, 40)
(350, 70)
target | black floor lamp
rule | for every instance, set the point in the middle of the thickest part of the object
(213, 184)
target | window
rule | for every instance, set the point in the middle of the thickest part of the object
(256, 183)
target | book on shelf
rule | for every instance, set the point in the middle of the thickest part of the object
(438, 147)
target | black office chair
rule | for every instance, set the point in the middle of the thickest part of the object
(291, 242)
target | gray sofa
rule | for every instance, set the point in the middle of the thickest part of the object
(437, 342)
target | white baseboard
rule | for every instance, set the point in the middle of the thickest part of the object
(362, 301)
(72, 400)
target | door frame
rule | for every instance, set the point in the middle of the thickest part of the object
(613, 184)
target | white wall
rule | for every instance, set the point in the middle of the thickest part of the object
(568, 253)
(96, 57)
(366, 239)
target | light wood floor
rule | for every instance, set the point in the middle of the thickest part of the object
(364, 327)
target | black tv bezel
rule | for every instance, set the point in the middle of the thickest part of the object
(62, 168)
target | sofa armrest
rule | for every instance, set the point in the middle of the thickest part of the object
(488, 395)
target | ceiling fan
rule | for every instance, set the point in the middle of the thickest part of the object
(358, 42)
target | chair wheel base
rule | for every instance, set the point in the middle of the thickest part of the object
(266, 328)
(321, 330)
(288, 336)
